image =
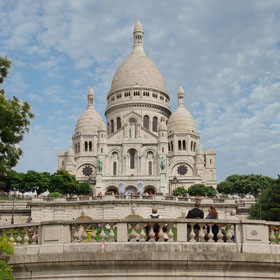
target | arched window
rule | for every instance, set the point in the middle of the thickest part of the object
(90, 146)
(132, 159)
(168, 147)
(112, 126)
(86, 146)
(184, 144)
(179, 145)
(146, 122)
(114, 168)
(119, 124)
(191, 145)
(150, 168)
(155, 122)
(78, 147)
(194, 146)
(171, 146)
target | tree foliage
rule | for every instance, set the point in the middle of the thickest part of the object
(202, 190)
(180, 191)
(5, 269)
(15, 116)
(268, 207)
(63, 182)
(245, 184)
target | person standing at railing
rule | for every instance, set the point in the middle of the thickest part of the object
(195, 213)
(213, 214)
(154, 215)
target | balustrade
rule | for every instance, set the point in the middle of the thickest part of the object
(143, 230)
(19, 235)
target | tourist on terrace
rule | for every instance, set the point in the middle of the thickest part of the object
(212, 214)
(195, 213)
(154, 215)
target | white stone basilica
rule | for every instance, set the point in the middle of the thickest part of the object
(145, 147)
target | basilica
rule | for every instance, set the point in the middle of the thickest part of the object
(145, 147)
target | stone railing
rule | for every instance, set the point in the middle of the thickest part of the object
(250, 235)
(204, 200)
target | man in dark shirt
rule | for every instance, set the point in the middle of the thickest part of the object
(195, 213)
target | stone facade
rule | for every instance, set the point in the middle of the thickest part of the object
(145, 147)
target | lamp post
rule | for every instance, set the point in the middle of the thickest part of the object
(175, 181)
(260, 201)
(13, 209)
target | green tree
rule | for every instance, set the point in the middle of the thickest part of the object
(5, 250)
(180, 191)
(65, 183)
(14, 180)
(244, 184)
(197, 189)
(84, 188)
(15, 116)
(268, 207)
(36, 181)
(210, 191)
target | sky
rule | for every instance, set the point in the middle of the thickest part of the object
(226, 55)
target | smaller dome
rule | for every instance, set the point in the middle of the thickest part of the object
(89, 121)
(162, 126)
(138, 27)
(102, 127)
(181, 119)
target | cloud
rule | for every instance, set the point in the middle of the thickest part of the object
(225, 54)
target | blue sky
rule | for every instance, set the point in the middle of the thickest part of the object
(226, 54)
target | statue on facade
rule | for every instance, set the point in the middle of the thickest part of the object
(162, 163)
(132, 130)
(99, 164)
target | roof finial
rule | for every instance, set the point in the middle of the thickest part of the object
(181, 95)
(91, 96)
(138, 35)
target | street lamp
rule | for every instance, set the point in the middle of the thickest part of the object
(175, 181)
(13, 209)
(260, 201)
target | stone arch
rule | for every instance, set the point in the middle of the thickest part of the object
(149, 188)
(112, 189)
(190, 168)
(133, 217)
(84, 219)
(80, 171)
(131, 188)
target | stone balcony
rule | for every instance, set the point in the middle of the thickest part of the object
(119, 249)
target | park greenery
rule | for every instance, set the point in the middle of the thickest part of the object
(196, 190)
(267, 206)
(6, 249)
(15, 117)
(61, 182)
(242, 185)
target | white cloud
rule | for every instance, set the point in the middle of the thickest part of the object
(224, 53)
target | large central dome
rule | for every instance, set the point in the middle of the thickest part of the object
(138, 69)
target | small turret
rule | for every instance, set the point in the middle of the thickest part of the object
(138, 35)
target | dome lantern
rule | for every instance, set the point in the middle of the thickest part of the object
(91, 96)
(138, 35)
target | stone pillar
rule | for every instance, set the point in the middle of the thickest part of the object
(99, 183)
(182, 232)
(122, 232)
(163, 184)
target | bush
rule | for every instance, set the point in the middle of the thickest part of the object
(56, 194)
(202, 190)
(180, 191)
